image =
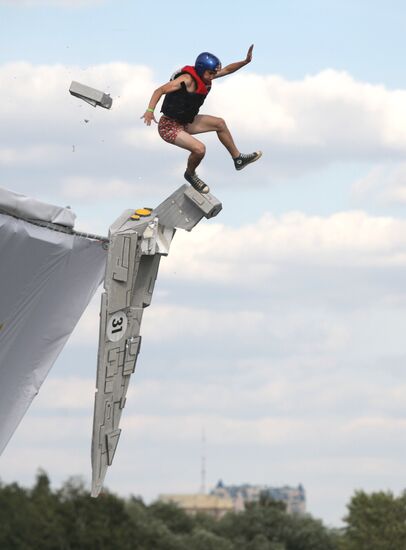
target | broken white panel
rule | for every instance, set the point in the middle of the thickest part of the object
(90, 95)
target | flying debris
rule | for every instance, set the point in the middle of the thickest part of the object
(138, 240)
(90, 95)
(48, 274)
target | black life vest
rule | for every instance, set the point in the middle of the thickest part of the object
(183, 105)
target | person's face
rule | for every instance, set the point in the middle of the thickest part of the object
(208, 75)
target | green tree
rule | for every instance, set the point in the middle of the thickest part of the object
(172, 516)
(46, 530)
(14, 511)
(201, 539)
(93, 524)
(265, 525)
(307, 533)
(159, 526)
(69, 519)
(375, 521)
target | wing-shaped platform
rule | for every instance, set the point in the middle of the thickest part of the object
(137, 242)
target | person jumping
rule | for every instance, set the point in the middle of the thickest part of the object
(184, 94)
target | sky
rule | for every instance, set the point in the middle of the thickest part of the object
(277, 328)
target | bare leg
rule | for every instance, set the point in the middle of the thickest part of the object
(197, 150)
(200, 125)
(207, 123)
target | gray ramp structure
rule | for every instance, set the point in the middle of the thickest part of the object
(138, 239)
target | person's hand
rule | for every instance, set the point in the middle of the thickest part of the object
(249, 54)
(148, 118)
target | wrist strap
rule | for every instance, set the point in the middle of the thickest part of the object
(150, 110)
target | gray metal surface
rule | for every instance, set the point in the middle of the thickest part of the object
(135, 250)
(90, 95)
(186, 207)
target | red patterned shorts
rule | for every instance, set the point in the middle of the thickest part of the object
(169, 128)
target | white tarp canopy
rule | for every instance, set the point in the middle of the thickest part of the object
(47, 278)
(29, 208)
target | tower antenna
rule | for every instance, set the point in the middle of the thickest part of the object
(203, 464)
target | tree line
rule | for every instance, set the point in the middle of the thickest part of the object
(41, 518)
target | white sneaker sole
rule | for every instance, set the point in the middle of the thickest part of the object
(259, 155)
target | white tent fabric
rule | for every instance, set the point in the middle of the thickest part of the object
(47, 278)
(32, 209)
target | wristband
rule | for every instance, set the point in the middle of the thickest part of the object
(150, 110)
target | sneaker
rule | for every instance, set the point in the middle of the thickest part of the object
(242, 161)
(196, 182)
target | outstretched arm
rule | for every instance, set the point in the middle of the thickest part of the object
(228, 69)
(170, 86)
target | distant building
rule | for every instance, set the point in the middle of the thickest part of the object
(213, 505)
(293, 497)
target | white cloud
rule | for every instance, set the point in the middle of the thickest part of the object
(373, 425)
(40, 94)
(329, 111)
(73, 393)
(384, 184)
(257, 252)
(270, 431)
(31, 155)
(328, 284)
(221, 411)
(88, 189)
(144, 137)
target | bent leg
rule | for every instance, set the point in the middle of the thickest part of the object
(197, 150)
(207, 123)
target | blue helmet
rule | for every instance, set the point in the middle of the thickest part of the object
(206, 62)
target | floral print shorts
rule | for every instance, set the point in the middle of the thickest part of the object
(169, 128)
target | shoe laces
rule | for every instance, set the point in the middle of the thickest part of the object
(247, 155)
(197, 181)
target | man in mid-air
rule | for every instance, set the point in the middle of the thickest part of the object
(184, 95)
